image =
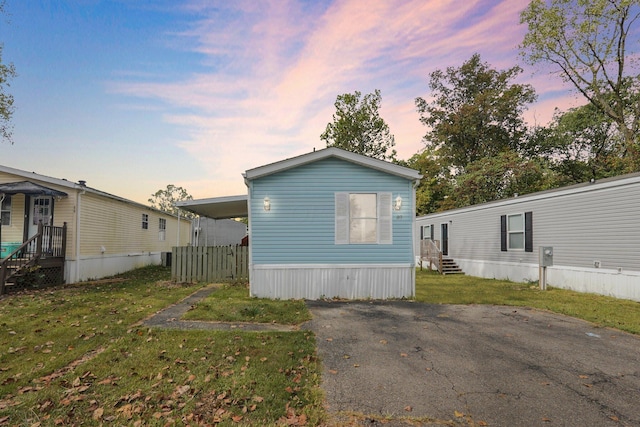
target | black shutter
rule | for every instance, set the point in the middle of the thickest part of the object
(432, 227)
(422, 232)
(503, 233)
(528, 231)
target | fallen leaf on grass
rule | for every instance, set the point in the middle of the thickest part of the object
(408, 408)
(404, 355)
(333, 371)
(458, 414)
(97, 414)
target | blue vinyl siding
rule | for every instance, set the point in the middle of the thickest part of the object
(300, 227)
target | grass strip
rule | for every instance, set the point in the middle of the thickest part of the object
(434, 288)
(232, 303)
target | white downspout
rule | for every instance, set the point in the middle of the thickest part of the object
(77, 232)
(178, 234)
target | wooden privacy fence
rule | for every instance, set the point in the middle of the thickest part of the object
(210, 263)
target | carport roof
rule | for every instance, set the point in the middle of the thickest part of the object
(217, 207)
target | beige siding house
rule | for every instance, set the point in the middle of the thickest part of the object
(105, 234)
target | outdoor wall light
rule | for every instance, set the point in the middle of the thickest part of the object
(398, 203)
(266, 204)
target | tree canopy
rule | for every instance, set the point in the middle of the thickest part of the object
(165, 199)
(586, 41)
(476, 112)
(7, 72)
(358, 127)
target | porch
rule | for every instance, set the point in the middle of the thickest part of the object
(38, 262)
(432, 255)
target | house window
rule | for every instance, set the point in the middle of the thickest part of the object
(426, 232)
(162, 229)
(145, 221)
(516, 232)
(363, 218)
(5, 211)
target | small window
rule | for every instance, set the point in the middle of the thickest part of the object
(426, 233)
(145, 221)
(5, 211)
(162, 229)
(515, 231)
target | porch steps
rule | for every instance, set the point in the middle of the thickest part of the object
(449, 266)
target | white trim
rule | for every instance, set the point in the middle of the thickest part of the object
(523, 232)
(329, 266)
(314, 156)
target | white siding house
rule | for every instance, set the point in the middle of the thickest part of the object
(594, 229)
(217, 232)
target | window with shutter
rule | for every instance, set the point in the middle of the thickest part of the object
(363, 218)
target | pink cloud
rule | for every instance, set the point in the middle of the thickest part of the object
(276, 68)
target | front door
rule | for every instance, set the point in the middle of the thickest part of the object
(444, 231)
(41, 210)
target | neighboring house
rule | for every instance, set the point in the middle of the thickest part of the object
(105, 234)
(327, 224)
(594, 229)
(217, 232)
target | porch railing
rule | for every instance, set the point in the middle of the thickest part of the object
(430, 252)
(48, 242)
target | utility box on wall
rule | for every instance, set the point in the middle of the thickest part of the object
(546, 256)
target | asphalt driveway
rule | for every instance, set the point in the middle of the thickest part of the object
(473, 365)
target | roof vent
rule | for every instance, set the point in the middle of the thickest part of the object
(82, 183)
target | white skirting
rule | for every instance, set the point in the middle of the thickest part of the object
(91, 268)
(363, 281)
(609, 282)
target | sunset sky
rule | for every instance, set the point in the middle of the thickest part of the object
(132, 95)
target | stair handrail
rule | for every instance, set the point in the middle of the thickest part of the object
(27, 257)
(430, 251)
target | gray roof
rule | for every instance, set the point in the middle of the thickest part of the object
(29, 188)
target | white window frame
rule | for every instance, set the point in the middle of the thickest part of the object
(511, 232)
(343, 219)
(5, 209)
(162, 229)
(145, 221)
(426, 232)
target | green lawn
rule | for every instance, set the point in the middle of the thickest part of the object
(459, 289)
(77, 356)
(231, 303)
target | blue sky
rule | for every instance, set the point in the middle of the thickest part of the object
(132, 95)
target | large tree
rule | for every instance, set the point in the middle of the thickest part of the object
(436, 186)
(7, 72)
(165, 199)
(586, 41)
(474, 112)
(504, 175)
(358, 127)
(579, 145)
